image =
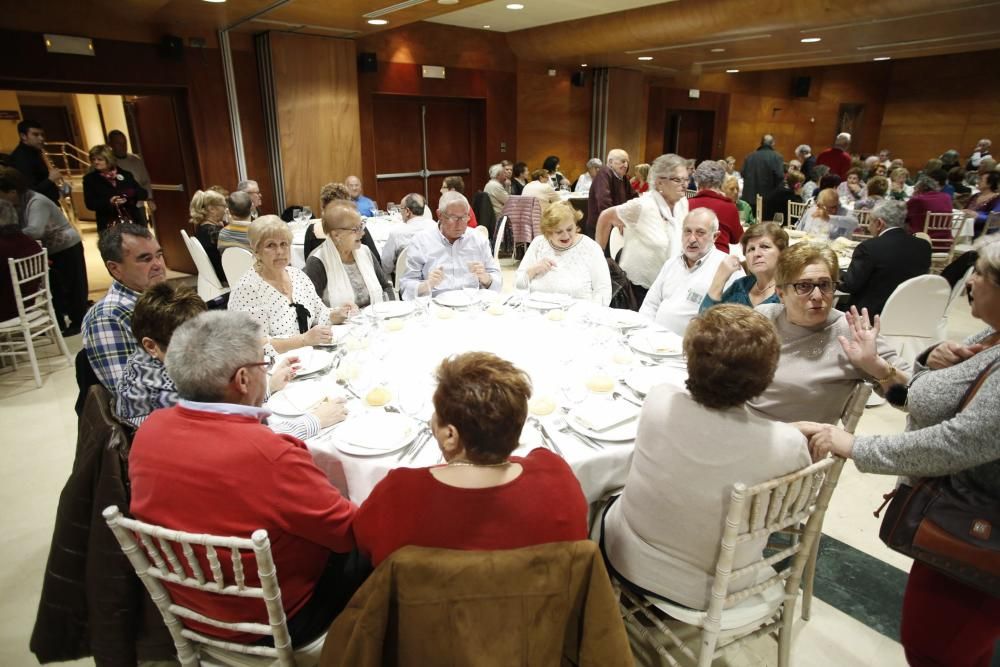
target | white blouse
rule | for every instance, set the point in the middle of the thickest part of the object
(581, 271)
(271, 308)
(652, 235)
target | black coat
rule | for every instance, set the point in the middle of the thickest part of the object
(29, 161)
(880, 264)
(97, 194)
(763, 171)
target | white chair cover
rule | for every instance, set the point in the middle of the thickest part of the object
(913, 313)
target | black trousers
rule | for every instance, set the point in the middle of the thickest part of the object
(68, 280)
(640, 293)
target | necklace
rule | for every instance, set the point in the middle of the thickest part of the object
(760, 290)
(470, 464)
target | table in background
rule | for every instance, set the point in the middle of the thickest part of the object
(379, 228)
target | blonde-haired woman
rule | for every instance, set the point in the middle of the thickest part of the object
(279, 296)
(565, 261)
(208, 217)
(640, 182)
(111, 192)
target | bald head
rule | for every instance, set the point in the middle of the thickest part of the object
(353, 185)
(340, 217)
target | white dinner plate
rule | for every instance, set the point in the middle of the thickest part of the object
(310, 360)
(457, 298)
(297, 398)
(624, 432)
(641, 379)
(657, 343)
(547, 300)
(390, 309)
(375, 433)
(620, 318)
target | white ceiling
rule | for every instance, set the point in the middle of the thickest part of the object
(535, 13)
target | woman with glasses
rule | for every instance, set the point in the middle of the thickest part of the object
(342, 269)
(820, 361)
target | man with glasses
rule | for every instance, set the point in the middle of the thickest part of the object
(256, 199)
(676, 294)
(608, 188)
(209, 465)
(450, 257)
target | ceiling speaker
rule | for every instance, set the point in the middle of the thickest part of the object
(367, 62)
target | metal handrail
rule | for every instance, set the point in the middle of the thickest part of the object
(59, 148)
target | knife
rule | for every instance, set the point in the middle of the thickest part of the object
(546, 438)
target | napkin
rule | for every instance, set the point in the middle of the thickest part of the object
(377, 430)
(601, 414)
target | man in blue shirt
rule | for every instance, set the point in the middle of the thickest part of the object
(366, 207)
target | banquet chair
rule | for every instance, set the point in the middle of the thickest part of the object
(524, 215)
(942, 246)
(913, 313)
(795, 211)
(615, 243)
(759, 208)
(29, 277)
(768, 606)
(485, 232)
(498, 241)
(862, 231)
(165, 548)
(209, 286)
(235, 263)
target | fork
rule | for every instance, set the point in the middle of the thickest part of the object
(563, 426)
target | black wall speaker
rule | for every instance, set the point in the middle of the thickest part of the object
(800, 86)
(367, 62)
(578, 79)
(171, 47)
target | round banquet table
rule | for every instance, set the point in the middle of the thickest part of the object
(559, 352)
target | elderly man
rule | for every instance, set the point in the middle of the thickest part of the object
(256, 200)
(608, 188)
(677, 292)
(212, 450)
(236, 233)
(979, 153)
(365, 206)
(805, 155)
(884, 261)
(29, 158)
(496, 188)
(708, 177)
(417, 219)
(763, 170)
(586, 178)
(135, 261)
(131, 163)
(451, 257)
(836, 157)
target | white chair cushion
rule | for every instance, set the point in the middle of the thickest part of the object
(754, 610)
(307, 656)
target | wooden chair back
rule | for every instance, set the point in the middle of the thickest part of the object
(855, 406)
(162, 546)
(795, 211)
(862, 231)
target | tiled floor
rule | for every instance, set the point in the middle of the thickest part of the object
(39, 428)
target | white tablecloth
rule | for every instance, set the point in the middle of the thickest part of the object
(558, 355)
(378, 227)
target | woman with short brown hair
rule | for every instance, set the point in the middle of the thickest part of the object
(762, 245)
(482, 498)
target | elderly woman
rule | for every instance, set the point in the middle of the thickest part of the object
(651, 224)
(14, 244)
(482, 498)
(762, 244)
(811, 187)
(557, 180)
(344, 272)
(208, 216)
(662, 534)
(927, 198)
(333, 194)
(877, 188)
(540, 187)
(281, 297)
(586, 178)
(898, 189)
(945, 622)
(565, 261)
(731, 188)
(852, 189)
(817, 373)
(640, 182)
(708, 177)
(519, 177)
(815, 221)
(987, 201)
(111, 193)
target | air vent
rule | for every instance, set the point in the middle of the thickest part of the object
(393, 8)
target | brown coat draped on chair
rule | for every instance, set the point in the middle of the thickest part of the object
(550, 604)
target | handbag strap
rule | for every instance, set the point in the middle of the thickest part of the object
(980, 379)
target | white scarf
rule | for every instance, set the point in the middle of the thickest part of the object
(338, 286)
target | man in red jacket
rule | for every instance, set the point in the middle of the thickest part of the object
(209, 465)
(836, 157)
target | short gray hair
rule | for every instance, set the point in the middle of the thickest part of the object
(8, 215)
(207, 350)
(665, 165)
(843, 139)
(239, 204)
(709, 174)
(495, 170)
(110, 242)
(889, 211)
(767, 140)
(617, 154)
(802, 149)
(243, 186)
(703, 212)
(594, 162)
(453, 197)
(926, 184)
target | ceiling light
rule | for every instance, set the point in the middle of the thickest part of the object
(377, 22)
(583, 64)
(718, 50)
(215, 1)
(645, 58)
(882, 58)
(732, 71)
(515, 5)
(811, 40)
(486, 27)
(447, 2)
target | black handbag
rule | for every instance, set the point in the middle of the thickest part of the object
(941, 522)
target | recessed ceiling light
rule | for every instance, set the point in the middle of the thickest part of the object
(486, 27)
(811, 40)
(645, 58)
(732, 71)
(583, 64)
(882, 58)
(515, 5)
(718, 50)
(447, 2)
(215, 0)
(377, 22)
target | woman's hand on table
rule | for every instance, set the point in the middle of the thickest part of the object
(330, 411)
(541, 268)
(340, 314)
(283, 372)
(825, 439)
(949, 353)
(318, 335)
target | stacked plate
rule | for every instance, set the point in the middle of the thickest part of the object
(656, 343)
(458, 298)
(390, 309)
(604, 419)
(375, 433)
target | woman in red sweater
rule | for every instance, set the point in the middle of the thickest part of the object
(482, 498)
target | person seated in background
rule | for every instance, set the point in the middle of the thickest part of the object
(811, 187)
(586, 178)
(762, 245)
(556, 178)
(209, 465)
(979, 153)
(342, 269)
(519, 177)
(251, 188)
(496, 189)
(541, 188)
(870, 165)
(683, 282)
(208, 217)
(483, 498)
(135, 261)
(236, 233)
(563, 260)
(14, 244)
(804, 153)
(366, 207)
(815, 220)
(960, 192)
(146, 386)
(417, 218)
(876, 188)
(816, 374)
(927, 198)
(987, 200)
(852, 189)
(640, 182)
(456, 184)
(708, 177)
(899, 188)
(731, 188)
(777, 201)
(881, 263)
(661, 535)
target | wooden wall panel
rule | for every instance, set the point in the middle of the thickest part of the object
(627, 111)
(316, 98)
(553, 118)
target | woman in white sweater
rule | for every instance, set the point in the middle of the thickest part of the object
(565, 261)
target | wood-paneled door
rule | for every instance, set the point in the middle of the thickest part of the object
(420, 140)
(689, 133)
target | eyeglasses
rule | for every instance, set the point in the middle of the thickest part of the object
(354, 230)
(805, 288)
(267, 365)
(673, 179)
(454, 218)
